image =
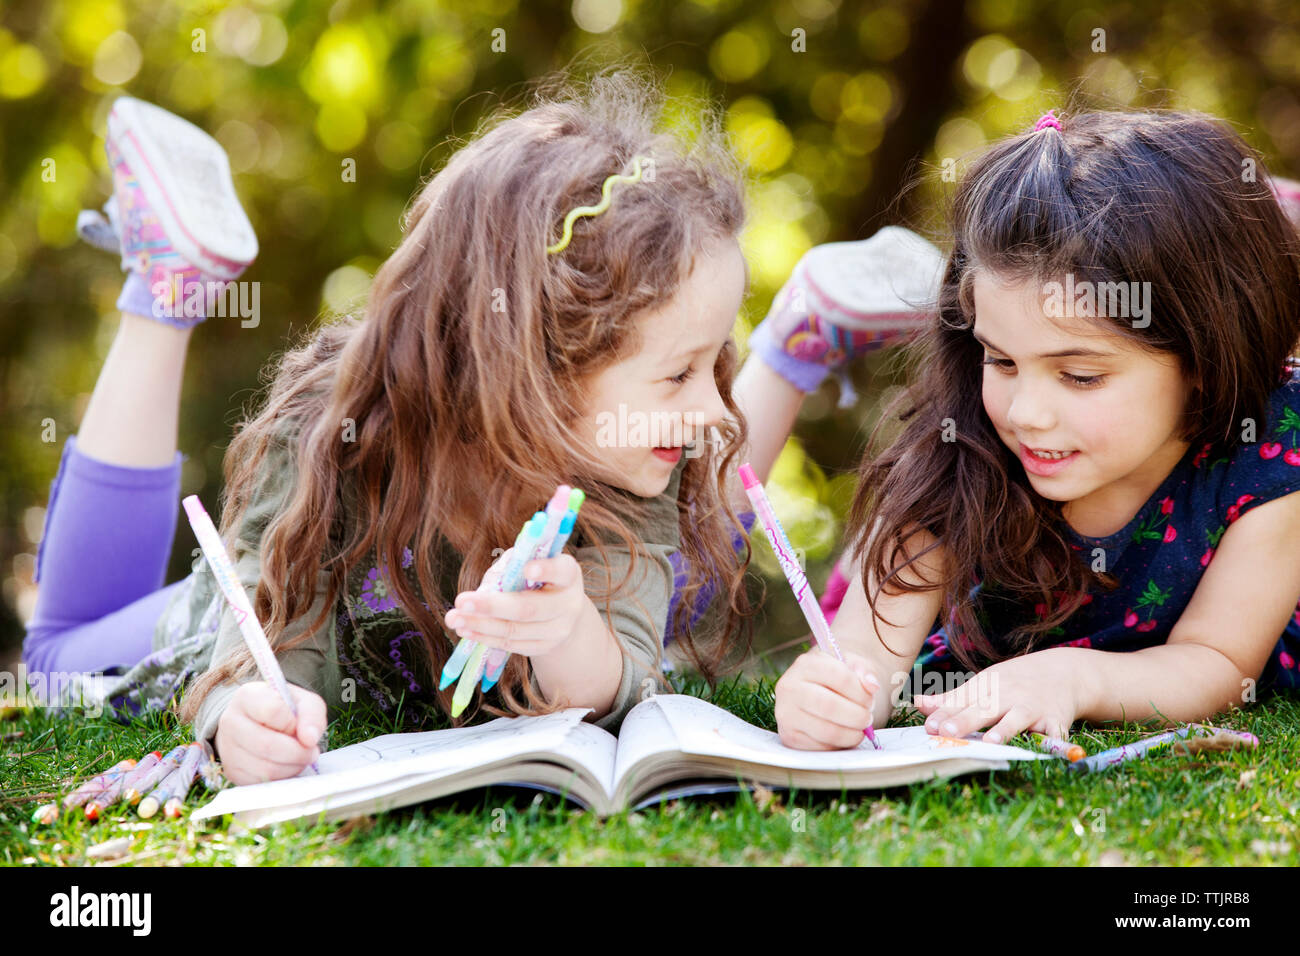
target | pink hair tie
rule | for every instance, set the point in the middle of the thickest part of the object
(1046, 120)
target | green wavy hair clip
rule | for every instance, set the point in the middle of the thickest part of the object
(606, 193)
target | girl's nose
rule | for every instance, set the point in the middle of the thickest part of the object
(713, 411)
(1028, 411)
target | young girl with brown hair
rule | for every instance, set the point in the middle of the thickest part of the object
(396, 451)
(569, 267)
(1089, 496)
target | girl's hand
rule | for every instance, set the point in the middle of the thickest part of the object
(823, 703)
(259, 739)
(1037, 692)
(531, 623)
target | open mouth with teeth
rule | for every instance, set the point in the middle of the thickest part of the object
(1045, 462)
(1050, 455)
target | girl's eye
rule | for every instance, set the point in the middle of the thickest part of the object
(681, 379)
(1086, 381)
(1083, 381)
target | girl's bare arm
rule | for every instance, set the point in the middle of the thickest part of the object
(892, 648)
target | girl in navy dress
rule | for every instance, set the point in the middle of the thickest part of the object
(1085, 509)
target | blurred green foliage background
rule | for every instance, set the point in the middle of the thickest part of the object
(835, 106)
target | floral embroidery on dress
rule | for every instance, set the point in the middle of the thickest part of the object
(377, 646)
(377, 593)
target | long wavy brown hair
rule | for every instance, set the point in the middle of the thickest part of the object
(466, 377)
(1175, 199)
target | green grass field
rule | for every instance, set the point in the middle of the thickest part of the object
(1238, 808)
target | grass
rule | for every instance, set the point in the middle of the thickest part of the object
(1238, 808)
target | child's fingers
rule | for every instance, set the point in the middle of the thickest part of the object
(311, 715)
(514, 638)
(976, 692)
(531, 613)
(561, 571)
(1017, 718)
(1014, 721)
(522, 606)
(513, 625)
(927, 703)
(940, 720)
(966, 720)
(825, 704)
(800, 740)
(257, 743)
(814, 733)
(823, 669)
(261, 703)
(492, 578)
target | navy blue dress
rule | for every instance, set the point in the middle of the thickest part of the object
(1160, 555)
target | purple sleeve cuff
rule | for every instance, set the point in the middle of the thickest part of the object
(805, 376)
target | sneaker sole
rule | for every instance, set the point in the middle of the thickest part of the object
(875, 284)
(185, 177)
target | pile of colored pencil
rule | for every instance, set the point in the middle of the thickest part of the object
(149, 784)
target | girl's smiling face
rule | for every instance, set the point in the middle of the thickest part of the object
(643, 409)
(1069, 385)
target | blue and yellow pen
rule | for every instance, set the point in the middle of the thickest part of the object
(510, 580)
(551, 545)
(456, 663)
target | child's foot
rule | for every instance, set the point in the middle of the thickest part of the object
(846, 299)
(174, 214)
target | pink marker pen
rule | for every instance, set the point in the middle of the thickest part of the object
(793, 573)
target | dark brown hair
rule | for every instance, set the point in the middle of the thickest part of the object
(1161, 197)
(445, 385)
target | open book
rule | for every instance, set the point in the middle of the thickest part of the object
(669, 746)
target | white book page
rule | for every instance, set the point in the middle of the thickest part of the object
(381, 759)
(701, 728)
(645, 731)
(593, 748)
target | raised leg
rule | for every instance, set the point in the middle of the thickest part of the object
(133, 413)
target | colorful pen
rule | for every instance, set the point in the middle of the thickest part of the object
(552, 543)
(803, 592)
(224, 571)
(468, 680)
(141, 770)
(175, 784)
(97, 784)
(456, 663)
(106, 797)
(1058, 747)
(511, 578)
(185, 779)
(495, 659)
(135, 789)
(1203, 738)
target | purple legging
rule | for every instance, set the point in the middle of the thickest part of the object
(103, 558)
(101, 564)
